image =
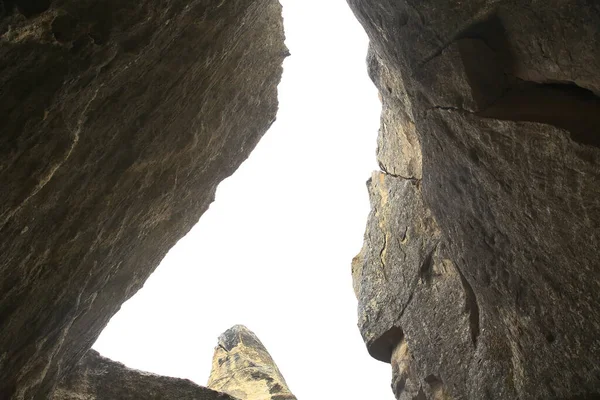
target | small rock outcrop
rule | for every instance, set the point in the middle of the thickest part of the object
(480, 274)
(98, 378)
(118, 119)
(243, 368)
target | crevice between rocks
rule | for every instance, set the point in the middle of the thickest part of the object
(563, 105)
(382, 257)
(223, 347)
(426, 270)
(471, 307)
(406, 178)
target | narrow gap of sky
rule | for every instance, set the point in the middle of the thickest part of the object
(273, 252)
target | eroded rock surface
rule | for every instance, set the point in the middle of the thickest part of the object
(480, 275)
(98, 378)
(118, 119)
(243, 368)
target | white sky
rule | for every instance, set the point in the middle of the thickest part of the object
(273, 252)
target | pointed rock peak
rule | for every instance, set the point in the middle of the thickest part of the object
(237, 335)
(242, 367)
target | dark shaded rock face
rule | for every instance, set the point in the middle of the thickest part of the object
(480, 277)
(98, 378)
(243, 368)
(117, 119)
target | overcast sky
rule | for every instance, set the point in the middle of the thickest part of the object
(273, 252)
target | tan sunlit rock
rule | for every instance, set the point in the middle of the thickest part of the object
(244, 369)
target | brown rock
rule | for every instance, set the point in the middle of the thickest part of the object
(480, 274)
(243, 368)
(118, 119)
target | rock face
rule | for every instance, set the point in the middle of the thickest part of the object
(119, 119)
(98, 378)
(243, 368)
(480, 275)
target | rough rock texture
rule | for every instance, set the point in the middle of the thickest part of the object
(480, 275)
(98, 378)
(243, 368)
(118, 120)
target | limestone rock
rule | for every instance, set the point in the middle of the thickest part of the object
(480, 275)
(98, 378)
(243, 368)
(118, 119)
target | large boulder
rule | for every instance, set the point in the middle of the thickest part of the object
(118, 119)
(480, 275)
(243, 368)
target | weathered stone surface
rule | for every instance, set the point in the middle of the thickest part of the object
(480, 276)
(410, 291)
(118, 120)
(243, 368)
(98, 378)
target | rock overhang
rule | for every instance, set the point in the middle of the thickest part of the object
(119, 120)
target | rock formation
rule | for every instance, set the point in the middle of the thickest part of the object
(98, 378)
(243, 368)
(480, 275)
(118, 119)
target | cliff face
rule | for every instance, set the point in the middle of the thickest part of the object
(480, 277)
(243, 368)
(98, 378)
(119, 119)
